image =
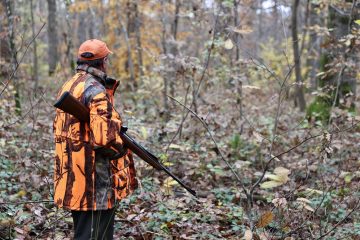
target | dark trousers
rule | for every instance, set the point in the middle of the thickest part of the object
(97, 225)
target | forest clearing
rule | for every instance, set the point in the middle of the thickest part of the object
(253, 104)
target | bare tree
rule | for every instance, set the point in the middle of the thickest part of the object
(174, 26)
(299, 98)
(5, 55)
(52, 36)
(165, 74)
(174, 46)
(130, 65)
(236, 23)
(314, 46)
(138, 39)
(81, 32)
(67, 37)
(238, 81)
(9, 9)
(35, 59)
(276, 22)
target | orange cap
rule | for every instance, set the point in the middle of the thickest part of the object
(93, 49)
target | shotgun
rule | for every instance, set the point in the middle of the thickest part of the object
(74, 107)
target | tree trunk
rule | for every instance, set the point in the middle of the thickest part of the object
(5, 55)
(237, 57)
(300, 99)
(81, 32)
(52, 36)
(174, 27)
(236, 23)
(68, 38)
(259, 30)
(305, 28)
(35, 59)
(314, 47)
(130, 62)
(174, 45)
(130, 65)
(165, 74)
(131, 16)
(277, 25)
(342, 22)
(138, 40)
(9, 6)
(92, 23)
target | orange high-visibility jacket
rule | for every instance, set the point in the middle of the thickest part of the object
(84, 177)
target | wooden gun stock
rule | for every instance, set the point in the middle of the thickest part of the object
(71, 105)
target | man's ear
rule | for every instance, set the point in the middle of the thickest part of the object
(103, 65)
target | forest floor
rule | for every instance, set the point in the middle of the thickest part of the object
(309, 192)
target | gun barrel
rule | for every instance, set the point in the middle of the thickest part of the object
(150, 158)
(192, 192)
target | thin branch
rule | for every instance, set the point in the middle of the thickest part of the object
(264, 66)
(337, 90)
(22, 58)
(52, 223)
(342, 220)
(325, 193)
(23, 116)
(214, 141)
(296, 146)
(352, 15)
(198, 87)
(26, 202)
(274, 134)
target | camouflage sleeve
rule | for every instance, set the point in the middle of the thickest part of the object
(105, 123)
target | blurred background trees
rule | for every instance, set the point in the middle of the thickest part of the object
(149, 37)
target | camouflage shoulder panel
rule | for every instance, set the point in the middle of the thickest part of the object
(92, 88)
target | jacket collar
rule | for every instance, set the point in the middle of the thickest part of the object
(100, 76)
(93, 71)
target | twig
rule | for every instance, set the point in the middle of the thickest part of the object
(337, 90)
(339, 222)
(183, 113)
(264, 66)
(274, 137)
(316, 209)
(212, 138)
(201, 80)
(4, 155)
(298, 145)
(23, 117)
(25, 202)
(22, 57)
(50, 225)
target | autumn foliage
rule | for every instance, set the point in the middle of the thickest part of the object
(212, 88)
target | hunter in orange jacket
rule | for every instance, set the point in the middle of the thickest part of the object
(85, 178)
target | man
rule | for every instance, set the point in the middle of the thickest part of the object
(87, 180)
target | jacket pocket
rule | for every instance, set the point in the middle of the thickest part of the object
(123, 175)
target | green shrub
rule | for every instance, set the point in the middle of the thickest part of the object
(319, 110)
